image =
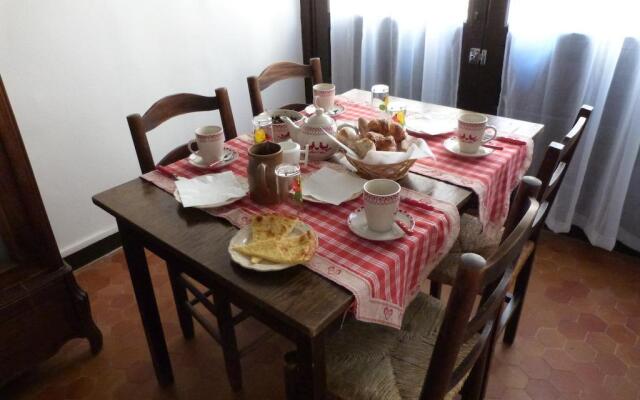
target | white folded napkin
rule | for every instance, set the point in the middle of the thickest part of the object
(430, 127)
(331, 186)
(210, 190)
(418, 149)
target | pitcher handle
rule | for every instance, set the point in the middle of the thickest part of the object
(495, 133)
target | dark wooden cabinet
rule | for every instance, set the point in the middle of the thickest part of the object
(41, 305)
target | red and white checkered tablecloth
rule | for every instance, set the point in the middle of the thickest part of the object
(492, 178)
(383, 276)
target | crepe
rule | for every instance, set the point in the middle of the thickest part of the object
(271, 226)
(283, 250)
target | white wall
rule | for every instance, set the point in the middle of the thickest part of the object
(74, 69)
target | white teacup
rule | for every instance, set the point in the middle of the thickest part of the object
(381, 202)
(471, 129)
(324, 95)
(291, 153)
(210, 141)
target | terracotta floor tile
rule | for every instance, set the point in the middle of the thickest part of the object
(578, 339)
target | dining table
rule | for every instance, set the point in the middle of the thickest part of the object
(297, 303)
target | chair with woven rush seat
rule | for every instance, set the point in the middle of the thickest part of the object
(161, 111)
(440, 351)
(552, 170)
(280, 71)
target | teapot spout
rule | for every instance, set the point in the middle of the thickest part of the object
(294, 130)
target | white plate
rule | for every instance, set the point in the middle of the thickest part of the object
(336, 110)
(228, 157)
(357, 222)
(421, 124)
(243, 236)
(243, 182)
(453, 146)
(312, 199)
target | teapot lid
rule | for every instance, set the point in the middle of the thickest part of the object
(320, 119)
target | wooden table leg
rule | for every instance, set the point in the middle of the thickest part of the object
(143, 289)
(228, 340)
(312, 379)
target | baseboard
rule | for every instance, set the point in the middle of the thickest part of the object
(94, 251)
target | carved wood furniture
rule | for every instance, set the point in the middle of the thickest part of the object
(280, 71)
(41, 305)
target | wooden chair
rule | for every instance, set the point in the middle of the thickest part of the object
(161, 111)
(439, 350)
(280, 71)
(553, 168)
(172, 106)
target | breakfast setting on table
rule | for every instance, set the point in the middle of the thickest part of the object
(323, 188)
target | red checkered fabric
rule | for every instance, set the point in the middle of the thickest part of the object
(383, 276)
(492, 178)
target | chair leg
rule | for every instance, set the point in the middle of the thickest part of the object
(290, 375)
(180, 298)
(436, 289)
(519, 292)
(228, 340)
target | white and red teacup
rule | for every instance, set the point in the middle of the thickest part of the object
(471, 130)
(381, 202)
(210, 140)
(324, 96)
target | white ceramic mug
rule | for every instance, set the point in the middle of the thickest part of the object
(324, 95)
(381, 202)
(291, 153)
(471, 130)
(210, 141)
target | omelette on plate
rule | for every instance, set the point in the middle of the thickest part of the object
(272, 241)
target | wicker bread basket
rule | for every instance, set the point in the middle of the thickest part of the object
(395, 171)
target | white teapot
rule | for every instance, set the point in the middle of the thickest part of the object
(313, 132)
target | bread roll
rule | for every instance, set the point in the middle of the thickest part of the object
(388, 143)
(397, 131)
(363, 126)
(374, 126)
(374, 136)
(383, 125)
(363, 146)
(404, 145)
(347, 136)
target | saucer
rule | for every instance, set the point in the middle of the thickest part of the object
(453, 146)
(336, 110)
(357, 222)
(421, 124)
(228, 157)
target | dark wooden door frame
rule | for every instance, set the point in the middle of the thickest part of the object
(316, 35)
(486, 28)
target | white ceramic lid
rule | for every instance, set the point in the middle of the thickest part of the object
(320, 120)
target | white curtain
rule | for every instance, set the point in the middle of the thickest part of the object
(411, 45)
(560, 55)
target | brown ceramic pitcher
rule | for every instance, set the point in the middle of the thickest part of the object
(263, 160)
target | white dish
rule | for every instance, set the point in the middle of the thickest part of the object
(452, 145)
(243, 182)
(243, 236)
(228, 157)
(336, 110)
(312, 199)
(421, 124)
(357, 222)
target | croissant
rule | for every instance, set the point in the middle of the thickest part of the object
(397, 131)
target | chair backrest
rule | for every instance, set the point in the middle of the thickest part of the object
(555, 165)
(172, 106)
(475, 273)
(280, 71)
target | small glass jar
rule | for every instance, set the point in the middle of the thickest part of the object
(289, 184)
(380, 96)
(262, 128)
(397, 112)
